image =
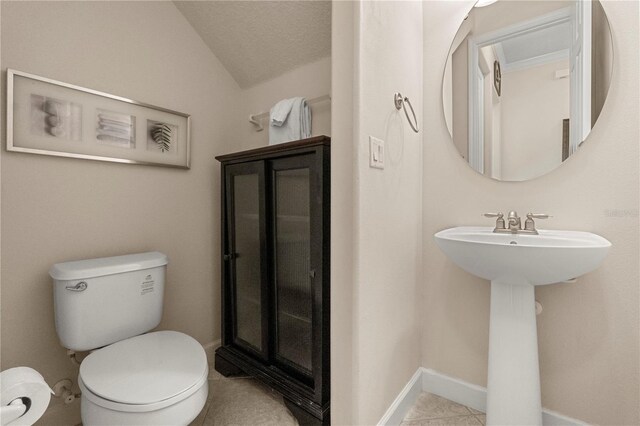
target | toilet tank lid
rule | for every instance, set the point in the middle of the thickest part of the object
(90, 268)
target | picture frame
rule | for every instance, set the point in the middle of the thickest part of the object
(49, 117)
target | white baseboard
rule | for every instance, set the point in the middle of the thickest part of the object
(405, 400)
(453, 389)
(456, 390)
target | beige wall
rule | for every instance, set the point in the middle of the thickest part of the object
(601, 60)
(533, 105)
(381, 325)
(343, 187)
(460, 98)
(448, 78)
(588, 331)
(309, 81)
(56, 209)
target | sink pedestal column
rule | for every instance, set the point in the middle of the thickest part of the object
(513, 385)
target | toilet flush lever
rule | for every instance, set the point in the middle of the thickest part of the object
(81, 286)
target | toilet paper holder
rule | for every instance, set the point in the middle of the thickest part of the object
(19, 406)
(24, 396)
(14, 410)
(62, 389)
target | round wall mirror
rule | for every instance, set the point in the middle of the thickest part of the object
(524, 84)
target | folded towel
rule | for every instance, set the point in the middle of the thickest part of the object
(280, 111)
(290, 120)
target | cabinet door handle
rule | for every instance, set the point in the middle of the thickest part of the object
(230, 256)
(312, 273)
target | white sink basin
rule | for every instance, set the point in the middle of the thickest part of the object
(515, 263)
(550, 257)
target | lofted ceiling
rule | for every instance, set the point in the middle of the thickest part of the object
(260, 40)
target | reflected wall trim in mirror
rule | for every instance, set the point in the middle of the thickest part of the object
(524, 84)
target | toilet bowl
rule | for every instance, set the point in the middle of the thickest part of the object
(158, 378)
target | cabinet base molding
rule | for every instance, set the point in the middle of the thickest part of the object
(303, 417)
(231, 362)
(226, 368)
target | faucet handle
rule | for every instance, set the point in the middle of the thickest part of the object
(538, 216)
(500, 224)
(530, 225)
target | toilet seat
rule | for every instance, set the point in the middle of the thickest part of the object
(144, 373)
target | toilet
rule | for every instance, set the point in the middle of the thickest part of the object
(131, 377)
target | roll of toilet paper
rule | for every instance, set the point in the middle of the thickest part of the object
(23, 385)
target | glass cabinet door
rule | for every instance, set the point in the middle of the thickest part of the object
(294, 297)
(245, 219)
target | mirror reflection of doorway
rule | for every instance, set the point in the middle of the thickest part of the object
(515, 72)
(476, 149)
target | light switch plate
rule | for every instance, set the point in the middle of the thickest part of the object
(376, 153)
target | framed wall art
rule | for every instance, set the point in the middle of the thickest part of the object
(50, 117)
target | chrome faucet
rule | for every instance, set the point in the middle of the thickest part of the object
(500, 226)
(514, 223)
(530, 225)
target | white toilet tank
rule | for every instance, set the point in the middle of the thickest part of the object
(101, 301)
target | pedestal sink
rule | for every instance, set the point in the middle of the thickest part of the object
(515, 263)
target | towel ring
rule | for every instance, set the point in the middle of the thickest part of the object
(399, 102)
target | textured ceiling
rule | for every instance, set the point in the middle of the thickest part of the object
(259, 40)
(545, 41)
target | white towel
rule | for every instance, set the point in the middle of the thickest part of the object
(280, 111)
(289, 120)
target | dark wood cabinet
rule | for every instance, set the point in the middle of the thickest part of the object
(275, 271)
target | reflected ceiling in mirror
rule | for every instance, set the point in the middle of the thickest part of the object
(524, 83)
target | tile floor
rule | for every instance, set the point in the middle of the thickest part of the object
(245, 401)
(433, 410)
(242, 401)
